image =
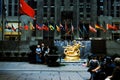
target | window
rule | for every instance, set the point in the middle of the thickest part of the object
(118, 7)
(81, 6)
(10, 1)
(81, 9)
(81, 1)
(16, 10)
(62, 2)
(101, 3)
(52, 3)
(88, 10)
(117, 13)
(81, 15)
(88, 15)
(11, 7)
(116, 36)
(52, 12)
(10, 10)
(88, 1)
(45, 9)
(32, 3)
(112, 14)
(16, 1)
(45, 2)
(71, 2)
(45, 12)
(88, 6)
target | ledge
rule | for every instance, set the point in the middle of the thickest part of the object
(12, 33)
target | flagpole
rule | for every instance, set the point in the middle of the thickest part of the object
(3, 12)
(65, 32)
(3, 17)
(65, 29)
(83, 31)
(18, 26)
(18, 18)
(48, 30)
(71, 30)
(11, 33)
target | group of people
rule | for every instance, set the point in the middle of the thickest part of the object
(42, 53)
(105, 68)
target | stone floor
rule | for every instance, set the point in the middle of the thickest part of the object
(27, 71)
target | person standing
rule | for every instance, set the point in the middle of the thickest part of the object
(47, 51)
(38, 54)
(94, 66)
(43, 49)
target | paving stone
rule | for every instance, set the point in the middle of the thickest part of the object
(45, 75)
(27, 71)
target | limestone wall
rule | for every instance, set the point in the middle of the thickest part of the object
(113, 47)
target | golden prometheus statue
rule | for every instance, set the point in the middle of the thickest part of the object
(72, 52)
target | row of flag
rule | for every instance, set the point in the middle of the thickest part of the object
(64, 28)
(108, 27)
(37, 26)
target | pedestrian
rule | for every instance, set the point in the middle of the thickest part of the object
(106, 68)
(47, 51)
(38, 54)
(116, 73)
(94, 67)
(43, 49)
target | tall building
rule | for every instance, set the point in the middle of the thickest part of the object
(109, 13)
(56, 12)
(75, 12)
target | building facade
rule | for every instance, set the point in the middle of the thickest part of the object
(77, 13)
(109, 13)
(55, 12)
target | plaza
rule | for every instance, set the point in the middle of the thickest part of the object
(27, 71)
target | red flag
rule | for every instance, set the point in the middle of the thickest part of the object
(26, 9)
(112, 27)
(26, 27)
(39, 27)
(45, 28)
(92, 29)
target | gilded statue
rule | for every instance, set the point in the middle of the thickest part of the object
(72, 52)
